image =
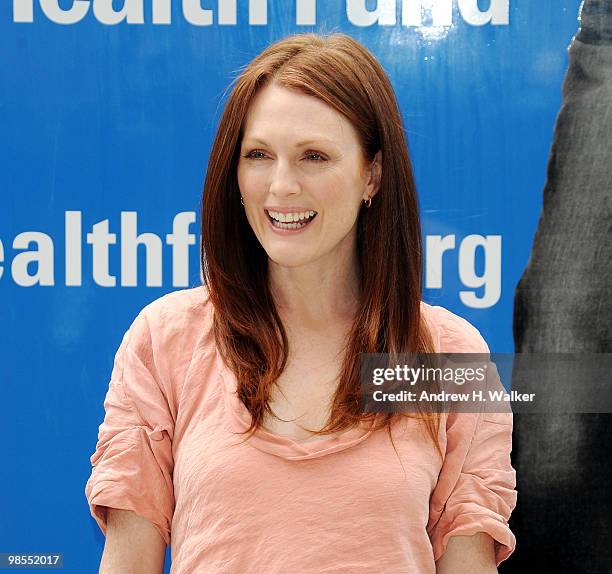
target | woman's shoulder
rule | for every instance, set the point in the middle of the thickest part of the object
(451, 332)
(170, 332)
(177, 323)
(183, 308)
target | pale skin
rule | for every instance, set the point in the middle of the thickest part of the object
(314, 278)
(133, 545)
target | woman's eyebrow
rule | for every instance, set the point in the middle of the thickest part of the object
(312, 140)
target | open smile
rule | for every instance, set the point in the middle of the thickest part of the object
(290, 222)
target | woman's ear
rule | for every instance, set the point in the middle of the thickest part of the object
(374, 174)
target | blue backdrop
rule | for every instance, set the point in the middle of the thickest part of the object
(107, 114)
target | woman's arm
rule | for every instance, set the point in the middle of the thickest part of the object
(133, 545)
(468, 554)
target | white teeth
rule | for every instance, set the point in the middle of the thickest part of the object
(290, 217)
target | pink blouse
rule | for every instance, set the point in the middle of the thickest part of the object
(167, 450)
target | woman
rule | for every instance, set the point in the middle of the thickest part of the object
(311, 253)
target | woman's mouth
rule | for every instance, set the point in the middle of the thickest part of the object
(290, 221)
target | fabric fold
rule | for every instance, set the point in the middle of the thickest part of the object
(132, 465)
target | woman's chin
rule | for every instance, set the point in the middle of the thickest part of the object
(288, 257)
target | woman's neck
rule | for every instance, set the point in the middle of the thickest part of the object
(314, 295)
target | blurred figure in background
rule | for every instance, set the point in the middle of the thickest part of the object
(563, 303)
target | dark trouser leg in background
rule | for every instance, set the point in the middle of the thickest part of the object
(563, 303)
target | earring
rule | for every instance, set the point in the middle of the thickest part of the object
(367, 202)
(241, 200)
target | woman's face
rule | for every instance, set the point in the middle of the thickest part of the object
(300, 156)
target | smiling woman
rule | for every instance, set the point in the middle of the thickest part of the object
(280, 174)
(233, 420)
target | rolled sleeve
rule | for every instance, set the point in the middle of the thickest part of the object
(479, 494)
(476, 487)
(132, 464)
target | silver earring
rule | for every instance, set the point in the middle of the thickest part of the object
(241, 200)
(367, 202)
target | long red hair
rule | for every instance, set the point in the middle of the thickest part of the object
(342, 73)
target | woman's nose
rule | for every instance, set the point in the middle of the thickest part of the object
(283, 179)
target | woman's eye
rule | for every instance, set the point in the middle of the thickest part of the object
(251, 154)
(317, 155)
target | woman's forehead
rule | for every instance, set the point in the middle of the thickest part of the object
(278, 112)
